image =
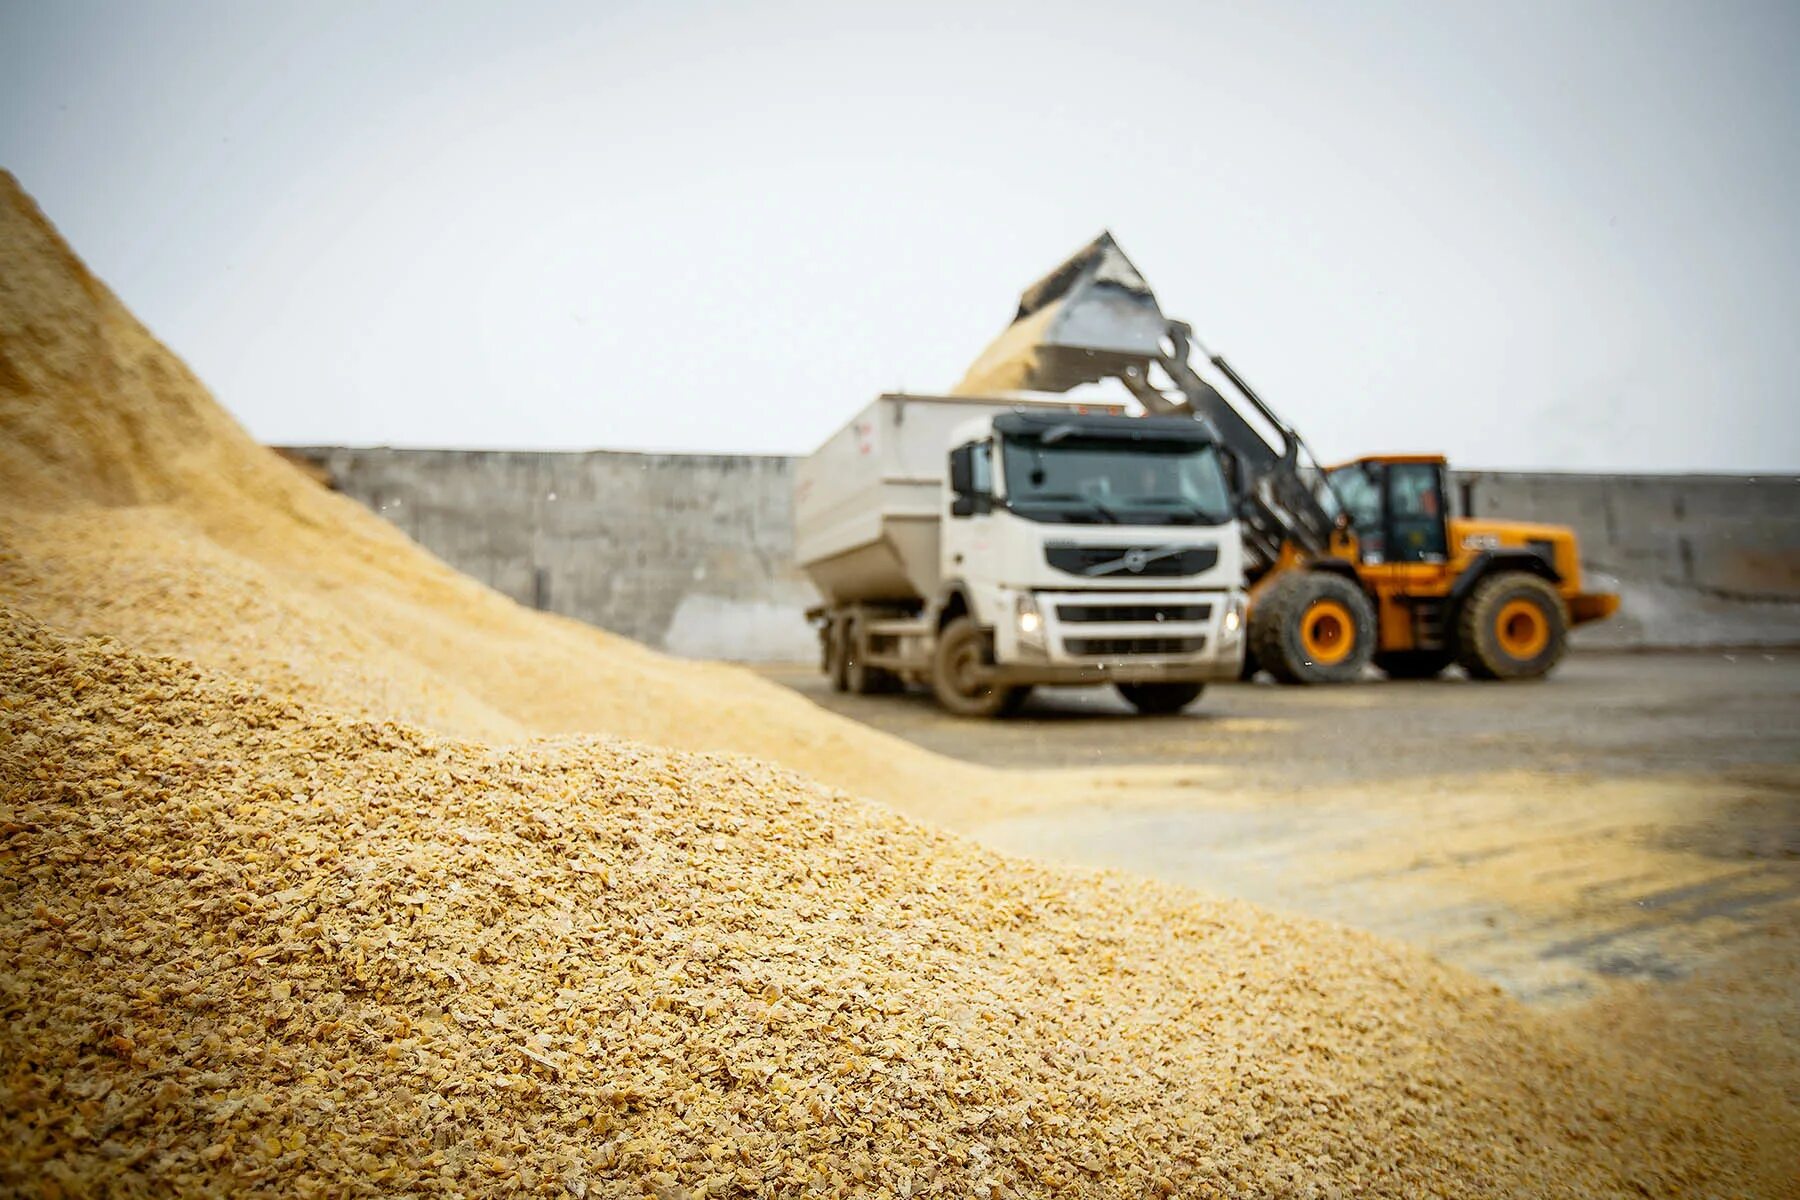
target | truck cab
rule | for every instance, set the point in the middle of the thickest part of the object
(1068, 547)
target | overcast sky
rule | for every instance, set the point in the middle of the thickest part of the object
(1533, 235)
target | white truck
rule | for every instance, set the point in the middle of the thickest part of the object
(984, 545)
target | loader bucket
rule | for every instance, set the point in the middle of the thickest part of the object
(1092, 318)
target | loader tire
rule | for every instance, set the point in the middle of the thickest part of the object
(961, 648)
(1313, 627)
(1513, 626)
(1159, 699)
(1414, 664)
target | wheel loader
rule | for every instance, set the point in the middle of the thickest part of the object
(1347, 565)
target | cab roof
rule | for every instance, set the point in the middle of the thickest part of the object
(1183, 430)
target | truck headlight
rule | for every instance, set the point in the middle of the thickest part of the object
(1029, 619)
(1231, 628)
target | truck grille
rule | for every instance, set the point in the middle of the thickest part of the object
(1116, 647)
(1078, 613)
(1128, 562)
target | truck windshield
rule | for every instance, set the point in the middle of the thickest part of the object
(1086, 481)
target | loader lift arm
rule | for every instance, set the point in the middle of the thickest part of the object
(1094, 318)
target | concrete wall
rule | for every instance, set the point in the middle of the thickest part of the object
(693, 553)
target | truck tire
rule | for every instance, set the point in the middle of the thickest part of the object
(1513, 626)
(836, 660)
(961, 647)
(1313, 627)
(1159, 699)
(859, 677)
(1413, 664)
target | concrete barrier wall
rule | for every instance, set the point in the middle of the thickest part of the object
(693, 553)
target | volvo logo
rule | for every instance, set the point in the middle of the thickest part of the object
(1134, 560)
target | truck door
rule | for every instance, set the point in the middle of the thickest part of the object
(967, 528)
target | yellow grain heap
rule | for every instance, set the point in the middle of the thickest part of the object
(299, 900)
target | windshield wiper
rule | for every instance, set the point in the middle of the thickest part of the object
(1111, 517)
(1200, 515)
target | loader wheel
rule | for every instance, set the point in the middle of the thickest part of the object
(1514, 626)
(961, 652)
(1414, 664)
(1313, 627)
(1159, 699)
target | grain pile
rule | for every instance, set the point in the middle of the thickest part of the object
(122, 478)
(256, 944)
(298, 902)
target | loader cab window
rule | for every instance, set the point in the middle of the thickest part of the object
(1356, 490)
(1416, 512)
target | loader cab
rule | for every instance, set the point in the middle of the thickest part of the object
(1396, 506)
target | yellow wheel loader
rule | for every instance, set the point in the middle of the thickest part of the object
(1348, 565)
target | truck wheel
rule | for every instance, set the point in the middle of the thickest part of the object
(1414, 664)
(1313, 627)
(1159, 699)
(1514, 626)
(961, 651)
(836, 661)
(859, 677)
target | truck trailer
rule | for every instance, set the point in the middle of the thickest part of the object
(983, 546)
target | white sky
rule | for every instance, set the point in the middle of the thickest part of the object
(1550, 235)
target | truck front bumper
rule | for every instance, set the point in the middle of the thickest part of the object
(1061, 675)
(1104, 636)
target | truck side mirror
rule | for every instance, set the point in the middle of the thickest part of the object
(968, 493)
(962, 472)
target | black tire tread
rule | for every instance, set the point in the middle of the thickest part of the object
(1414, 664)
(1159, 699)
(835, 665)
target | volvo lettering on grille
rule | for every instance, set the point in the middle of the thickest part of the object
(1099, 561)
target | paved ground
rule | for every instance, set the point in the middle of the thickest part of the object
(1633, 817)
(1599, 712)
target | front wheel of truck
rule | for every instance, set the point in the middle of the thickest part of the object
(1159, 699)
(956, 674)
